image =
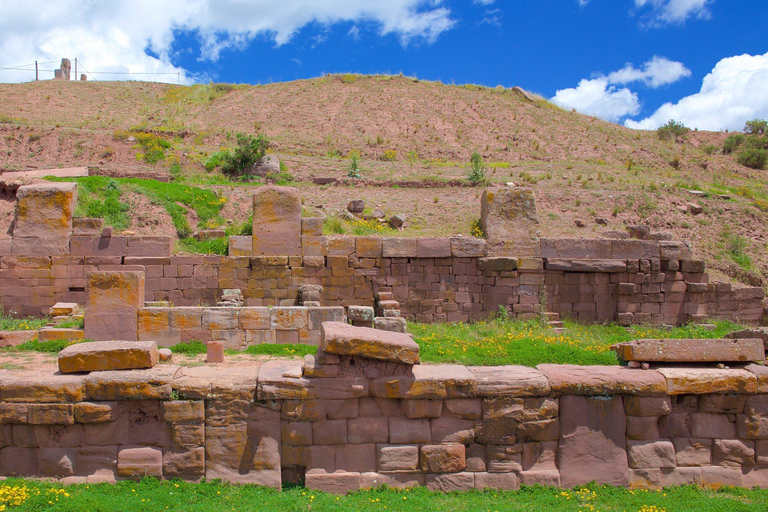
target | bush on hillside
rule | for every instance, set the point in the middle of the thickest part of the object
(476, 173)
(732, 142)
(672, 131)
(754, 158)
(249, 150)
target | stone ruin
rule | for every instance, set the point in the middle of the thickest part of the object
(63, 73)
(363, 412)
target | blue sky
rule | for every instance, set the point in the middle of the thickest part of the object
(634, 62)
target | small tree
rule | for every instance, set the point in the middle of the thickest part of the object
(672, 130)
(754, 158)
(354, 167)
(476, 171)
(249, 150)
(756, 127)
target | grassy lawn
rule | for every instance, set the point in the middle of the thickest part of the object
(150, 495)
(500, 342)
(489, 343)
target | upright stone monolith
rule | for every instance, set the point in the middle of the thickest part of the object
(114, 299)
(276, 222)
(510, 222)
(43, 222)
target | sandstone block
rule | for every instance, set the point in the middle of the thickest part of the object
(517, 381)
(712, 426)
(603, 380)
(114, 299)
(370, 480)
(277, 222)
(355, 457)
(108, 355)
(368, 430)
(693, 451)
(509, 220)
(452, 430)
(421, 408)
(50, 414)
(451, 482)
(409, 431)
(592, 441)
(435, 247)
(56, 462)
(343, 339)
(467, 247)
(398, 458)
(140, 462)
(691, 350)
(43, 222)
(505, 459)
(368, 247)
(393, 324)
(501, 481)
(188, 464)
(399, 247)
(647, 406)
(699, 381)
(339, 482)
(651, 454)
(733, 453)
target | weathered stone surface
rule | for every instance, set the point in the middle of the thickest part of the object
(518, 381)
(467, 247)
(647, 406)
(699, 381)
(114, 299)
(443, 458)
(281, 380)
(451, 482)
(277, 222)
(393, 323)
(602, 380)
(87, 412)
(510, 222)
(43, 221)
(140, 462)
(592, 441)
(733, 453)
(360, 313)
(339, 482)
(343, 339)
(32, 387)
(150, 384)
(651, 454)
(693, 451)
(370, 480)
(50, 414)
(108, 355)
(753, 332)
(398, 458)
(691, 350)
(572, 265)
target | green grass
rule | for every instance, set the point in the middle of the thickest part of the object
(501, 342)
(99, 196)
(213, 246)
(47, 347)
(189, 348)
(151, 495)
(288, 349)
(8, 323)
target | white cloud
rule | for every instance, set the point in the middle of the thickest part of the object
(674, 11)
(112, 35)
(582, 3)
(656, 72)
(483, 2)
(734, 92)
(598, 98)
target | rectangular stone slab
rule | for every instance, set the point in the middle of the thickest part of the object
(691, 350)
(346, 340)
(108, 355)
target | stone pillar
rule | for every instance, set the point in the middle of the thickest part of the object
(276, 222)
(63, 73)
(43, 222)
(114, 299)
(510, 222)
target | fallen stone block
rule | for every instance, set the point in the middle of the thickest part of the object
(345, 340)
(691, 350)
(64, 309)
(52, 334)
(393, 324)
(108, 355)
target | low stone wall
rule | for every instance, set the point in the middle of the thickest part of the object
(445, 427)
(434, 279)
(238, 328)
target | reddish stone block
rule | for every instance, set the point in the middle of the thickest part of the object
(733, 453)
(398, 458)
(452, 430)
(215, 352)
(409, 431)
(356, 457)
(452, 482)
(329, 432)
(139, 462)
(368, 430)
(337, 483)
(501, 481)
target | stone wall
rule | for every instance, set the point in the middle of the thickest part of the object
(445, 427)
(433, 279)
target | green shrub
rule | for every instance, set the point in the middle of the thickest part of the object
(732, 142)
(215, 160)
(190, 348)
(248, 151)
(354, 167)
(753, 158)
(211, 246)
(390, 155)
(476, 172)
(671, 131)
(756, 127)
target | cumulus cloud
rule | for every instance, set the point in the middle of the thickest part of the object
(674, 11)
(113, 35)
(602, 98)
(598, 98)
(734, 92)
(656, 72)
